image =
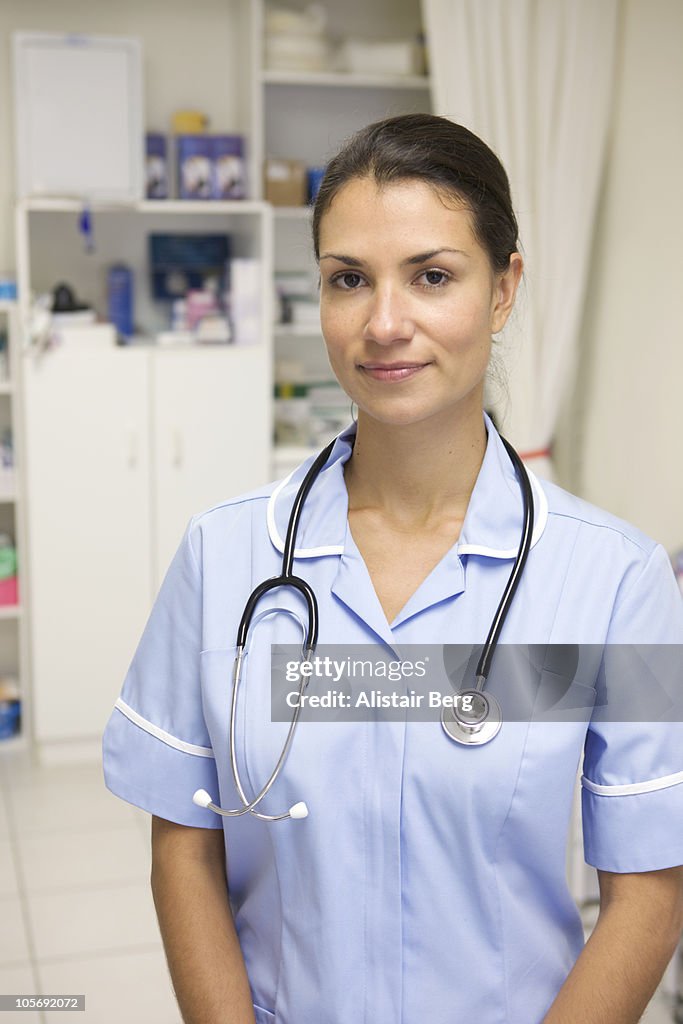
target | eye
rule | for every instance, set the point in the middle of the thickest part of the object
(347, 280)
(434, 278)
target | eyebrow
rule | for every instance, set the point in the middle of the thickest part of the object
(421, 257)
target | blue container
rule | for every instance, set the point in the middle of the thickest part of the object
(156, 162)
(10, 714)
(195, 160)
(227, 167)
(120, 300)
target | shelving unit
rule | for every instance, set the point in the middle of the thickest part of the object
(125, 443)
(13, 632)
(345, 79)
(307, 115)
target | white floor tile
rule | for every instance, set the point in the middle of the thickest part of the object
(131, 986)
(14, 947)
(19, 980)
(8, 878)
(54, 805)
(22, 768)
(80, 858)
(79, 922)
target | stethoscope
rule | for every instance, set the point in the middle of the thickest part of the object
(474, 719)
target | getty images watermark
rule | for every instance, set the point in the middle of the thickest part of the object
(532, 682)
(337, 670)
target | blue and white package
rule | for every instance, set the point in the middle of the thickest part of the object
(156, 166)
(228, 167)
(194, 166)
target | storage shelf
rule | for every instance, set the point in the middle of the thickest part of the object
(11, 611)
(14, 744)
(191, 207)
(345, 79)
(297, 331)
(293, 212)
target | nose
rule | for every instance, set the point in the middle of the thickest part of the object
(389, 318)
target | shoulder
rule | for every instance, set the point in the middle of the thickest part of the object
(236, 519)
(568, 513)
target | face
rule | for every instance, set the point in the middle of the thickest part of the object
(408, 301)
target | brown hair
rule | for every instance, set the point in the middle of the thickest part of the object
(450, 158)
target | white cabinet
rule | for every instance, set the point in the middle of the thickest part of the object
(212, 434)
(124, 446)
(89, 529)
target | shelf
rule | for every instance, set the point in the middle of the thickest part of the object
(7, 305)
(293, 212)
(10, 611)
(191, 207)
(345, 79)
(297, 331)
(6, 387)
(14, 744)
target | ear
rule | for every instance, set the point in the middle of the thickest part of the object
(504, 291)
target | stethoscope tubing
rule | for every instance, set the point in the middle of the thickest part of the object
(288, 579)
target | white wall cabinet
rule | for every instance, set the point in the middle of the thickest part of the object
(125, 446)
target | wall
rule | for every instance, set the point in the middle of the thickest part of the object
(621, 446)
(190, 59)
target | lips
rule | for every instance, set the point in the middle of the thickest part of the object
(392, 371)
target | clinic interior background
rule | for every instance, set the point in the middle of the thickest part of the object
(619, 439)
(618, 442)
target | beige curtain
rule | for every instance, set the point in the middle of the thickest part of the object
(534, 79)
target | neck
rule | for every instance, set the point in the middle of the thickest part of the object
(418, 472)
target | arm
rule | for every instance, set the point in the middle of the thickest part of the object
(639, 926)
(202, 949)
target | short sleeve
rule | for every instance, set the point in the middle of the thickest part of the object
(632, 784)
(156, 747)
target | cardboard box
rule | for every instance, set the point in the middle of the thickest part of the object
(285, 182)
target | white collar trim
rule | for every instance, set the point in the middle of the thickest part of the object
(332, 549)
(540, 521)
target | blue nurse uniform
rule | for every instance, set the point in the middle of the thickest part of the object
(428, 881)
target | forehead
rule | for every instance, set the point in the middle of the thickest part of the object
(410, 211)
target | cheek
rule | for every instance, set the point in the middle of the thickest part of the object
(339, 326)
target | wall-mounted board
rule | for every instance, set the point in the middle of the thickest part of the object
(79, 116)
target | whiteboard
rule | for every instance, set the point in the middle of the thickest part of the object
(78, 116)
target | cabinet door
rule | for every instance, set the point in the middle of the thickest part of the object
(212, 412)
(88, 518)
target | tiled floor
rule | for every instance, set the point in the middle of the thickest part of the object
(76, 913)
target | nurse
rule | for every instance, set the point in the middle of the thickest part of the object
(427, 882)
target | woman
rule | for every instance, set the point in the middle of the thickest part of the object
(428, 881)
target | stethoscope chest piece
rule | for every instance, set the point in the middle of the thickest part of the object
(475, 720)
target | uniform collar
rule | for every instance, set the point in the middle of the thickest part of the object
(492, 526)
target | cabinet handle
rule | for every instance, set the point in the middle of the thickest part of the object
(177, 458)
